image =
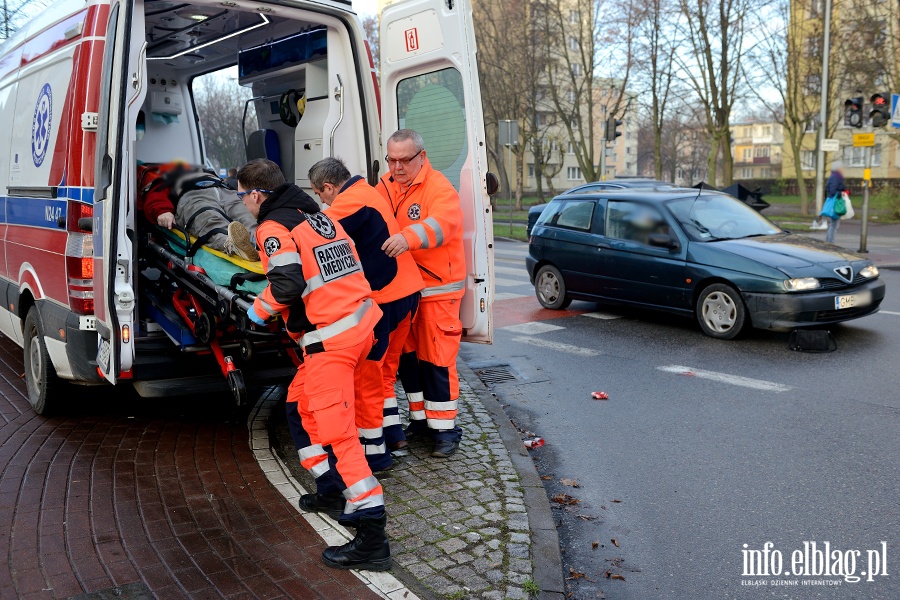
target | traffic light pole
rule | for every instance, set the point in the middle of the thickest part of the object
(864, 231)
(823, 111)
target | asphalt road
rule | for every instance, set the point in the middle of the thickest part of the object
(704, 446)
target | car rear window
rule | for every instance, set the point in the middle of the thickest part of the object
(570, 215)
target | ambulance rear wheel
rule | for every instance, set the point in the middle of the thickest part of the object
(40, 377)
(238, 389)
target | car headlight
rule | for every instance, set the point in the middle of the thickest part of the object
(869, 272)
(801, 284)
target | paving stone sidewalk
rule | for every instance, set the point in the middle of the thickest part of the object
(459, 527)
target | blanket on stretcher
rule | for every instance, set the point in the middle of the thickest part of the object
(219, 266)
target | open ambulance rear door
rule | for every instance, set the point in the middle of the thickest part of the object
(430, 84)
(121, 94)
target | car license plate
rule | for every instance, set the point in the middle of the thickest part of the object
(852, 300)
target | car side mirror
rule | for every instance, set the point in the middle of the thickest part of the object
(492, 183)
(662, 240)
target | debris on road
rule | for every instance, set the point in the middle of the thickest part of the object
(599, 395)
(570, 482)
(565, 499)
(534, 442)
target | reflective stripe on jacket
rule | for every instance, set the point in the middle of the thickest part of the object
(315, 276)
(368, 220)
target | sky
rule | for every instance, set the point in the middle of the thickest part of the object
(365, 7)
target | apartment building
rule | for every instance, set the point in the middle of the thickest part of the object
(757, 150)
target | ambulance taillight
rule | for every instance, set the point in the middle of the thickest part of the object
(80, 258)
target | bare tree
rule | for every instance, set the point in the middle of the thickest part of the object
(587, 42)
(655, 68)
(507, 60)
(220, 104)
(714, 67)
(788, 59)
(14, 14)
(370, 27)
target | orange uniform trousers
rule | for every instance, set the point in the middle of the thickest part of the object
(434, 339)
(324, 392)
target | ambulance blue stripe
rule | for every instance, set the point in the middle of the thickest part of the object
(42, 212)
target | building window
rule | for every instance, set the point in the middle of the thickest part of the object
(531, 170)
(747, 173)
(573, 43)
(816, 8)
(812, 123)
(576, 69)
(747, 154)
(573, 173)
(570, 96)
(807, 160)
(812, 85)
(761, 151)
(766, 173)
(574, 17)
(571, 148)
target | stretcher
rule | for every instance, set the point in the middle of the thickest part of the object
(199, 297)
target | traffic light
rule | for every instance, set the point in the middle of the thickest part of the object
(853, 112)
(612, 126)
(881, 110)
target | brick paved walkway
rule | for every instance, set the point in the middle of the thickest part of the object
(154, 496)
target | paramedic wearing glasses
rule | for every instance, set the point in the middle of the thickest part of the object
(317, 285)
(427, 208)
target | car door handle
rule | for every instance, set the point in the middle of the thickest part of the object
(602, 246)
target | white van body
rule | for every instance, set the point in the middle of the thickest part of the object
(75, 82)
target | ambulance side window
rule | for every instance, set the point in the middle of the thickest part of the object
(433, 105)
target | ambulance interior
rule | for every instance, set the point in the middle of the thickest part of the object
(287, 79)
(267, 59)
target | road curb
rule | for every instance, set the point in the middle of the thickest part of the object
(548, 572)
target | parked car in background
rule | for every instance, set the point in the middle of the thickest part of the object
(614, 184)
(695, 253)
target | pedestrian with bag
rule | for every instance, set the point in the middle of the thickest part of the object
(834, 207)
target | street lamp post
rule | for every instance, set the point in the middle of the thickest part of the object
(823, 111)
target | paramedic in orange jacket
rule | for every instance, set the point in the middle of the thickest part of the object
(395, 283)
(427, 208)
(317, 285)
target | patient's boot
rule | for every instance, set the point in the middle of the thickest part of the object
(240, 243)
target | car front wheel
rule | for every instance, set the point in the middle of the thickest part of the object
(721, 312)
(550, 288)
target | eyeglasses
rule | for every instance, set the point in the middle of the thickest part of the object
(242, 194)
(400, 161)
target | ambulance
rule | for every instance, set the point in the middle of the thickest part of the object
(90, 89)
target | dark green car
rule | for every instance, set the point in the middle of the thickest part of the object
(698, 253)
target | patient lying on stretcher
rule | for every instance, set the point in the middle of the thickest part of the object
(200, 203)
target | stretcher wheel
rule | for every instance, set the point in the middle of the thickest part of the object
(238, 389)
(223, 308)
(203, 328)
(246, 349)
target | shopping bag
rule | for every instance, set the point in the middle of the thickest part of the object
(840, 204)
(850, 212)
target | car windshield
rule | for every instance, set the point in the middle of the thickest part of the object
(711, 217)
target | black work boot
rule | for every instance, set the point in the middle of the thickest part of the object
(330, 504)
(369, 550)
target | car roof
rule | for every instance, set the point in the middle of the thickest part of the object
(653, 195)
(619, 183)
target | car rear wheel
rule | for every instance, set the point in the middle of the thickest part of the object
(721, 312)
(550, 288)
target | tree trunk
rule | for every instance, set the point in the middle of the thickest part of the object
(711, 163)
